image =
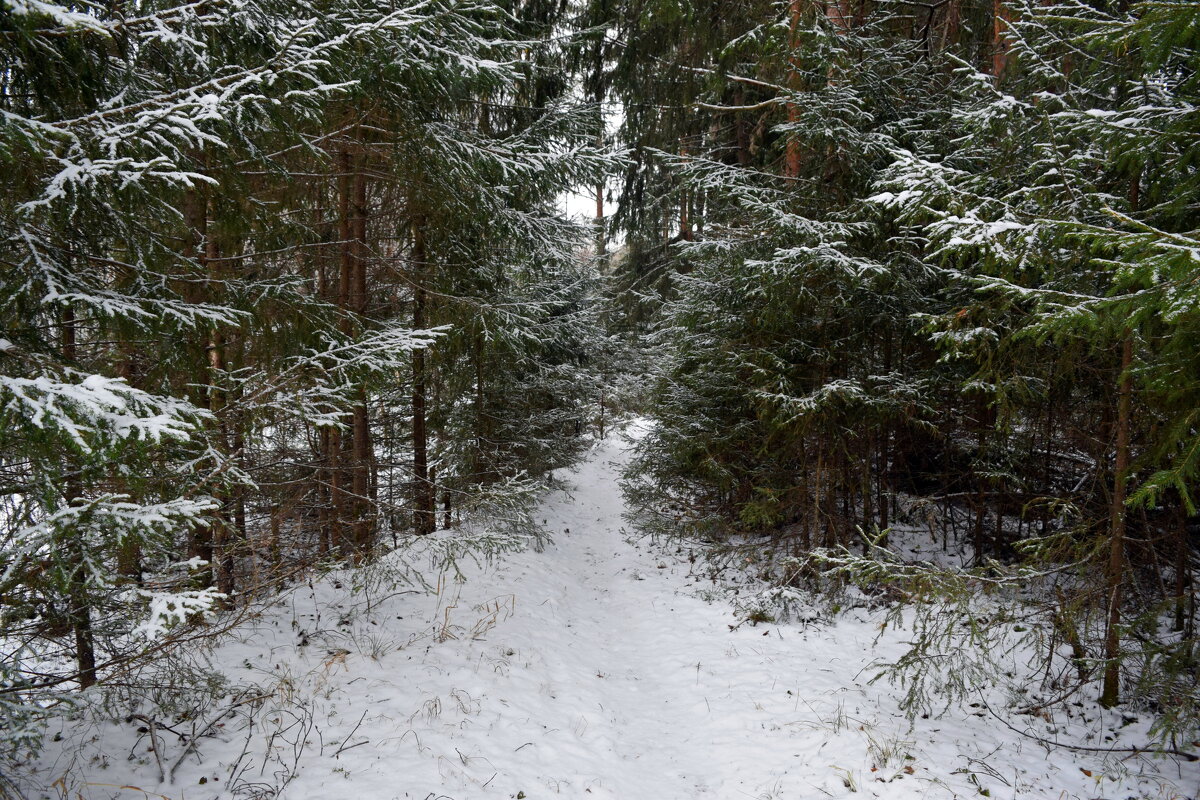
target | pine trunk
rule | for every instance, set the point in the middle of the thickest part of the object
(362, 446)
(424, 521)
(81, 606)
(221, 546)
(1182, 568)
(1110, 693)
(791, 166)
(195, 211)
(1001, 16)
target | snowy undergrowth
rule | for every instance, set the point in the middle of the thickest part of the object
(968, 641)
(596, 668)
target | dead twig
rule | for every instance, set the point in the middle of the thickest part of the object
(350, 736)
(1085, 749)
(212, 723)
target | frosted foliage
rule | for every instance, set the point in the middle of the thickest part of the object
(94, 408)
(167, 610)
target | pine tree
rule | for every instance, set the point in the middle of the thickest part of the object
(209, 284)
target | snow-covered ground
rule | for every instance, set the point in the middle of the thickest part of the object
(592, 669)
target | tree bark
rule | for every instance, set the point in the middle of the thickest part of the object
(483, 434)
(77, 593)
(1182, 567)
(195, 212)
(221, 540)
(1110, 692)
(1001, 16)
(424, 521)
(791, 165)
(362, 446)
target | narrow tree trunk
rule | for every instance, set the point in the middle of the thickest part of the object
(344, 504)
(868, 511)
(1182, 567)
(805, 500)
(333, 513)
(884, 467)
(1110, 693)
(351, 484)
(951, 24)
(237, 421)
(791, 166)
(364, 522)
(363, 449)
(129, 550)
(323, 289)
(603, 409)
(195, 211)
(685, 222)
(741, 130)
(222, 556)
(980, 544)
(345, 237)
(601, 232)
(998, 533)
(482, 427)
(1001, 16)
(77, 593)
(423, 499)
(221, 545)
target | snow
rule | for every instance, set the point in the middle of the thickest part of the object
(599, 668)
(94, 405)
(168, 609)
(895, 200)
(60, 14)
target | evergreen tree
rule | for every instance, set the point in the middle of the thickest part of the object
(227, 232)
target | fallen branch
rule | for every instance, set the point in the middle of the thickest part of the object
(350, 736)
(191, 742)
(1085, 749)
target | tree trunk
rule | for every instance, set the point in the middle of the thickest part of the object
(129, 550)
(1110, 693)
(222, 555)
(77, 593)
(424, 521)
(352, 485)
(481, 468)
(1001, 16)
(1182, 567)
(345, 238)
(239, 537)
(362, 446)
(741, 130)
(195, 211)
(868, 510)
(791, 165)
(980, 543)
(601, 232)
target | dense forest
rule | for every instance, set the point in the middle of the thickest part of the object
(907, 294)
(933, 264)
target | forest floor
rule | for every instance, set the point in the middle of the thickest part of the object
(601, 667)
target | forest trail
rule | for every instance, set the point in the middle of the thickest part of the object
(601, 667)
(658, 699)
(611, 679)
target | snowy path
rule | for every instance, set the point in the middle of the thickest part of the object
(656, 700)
(590, 670)
(612, 682)
(612, 679)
